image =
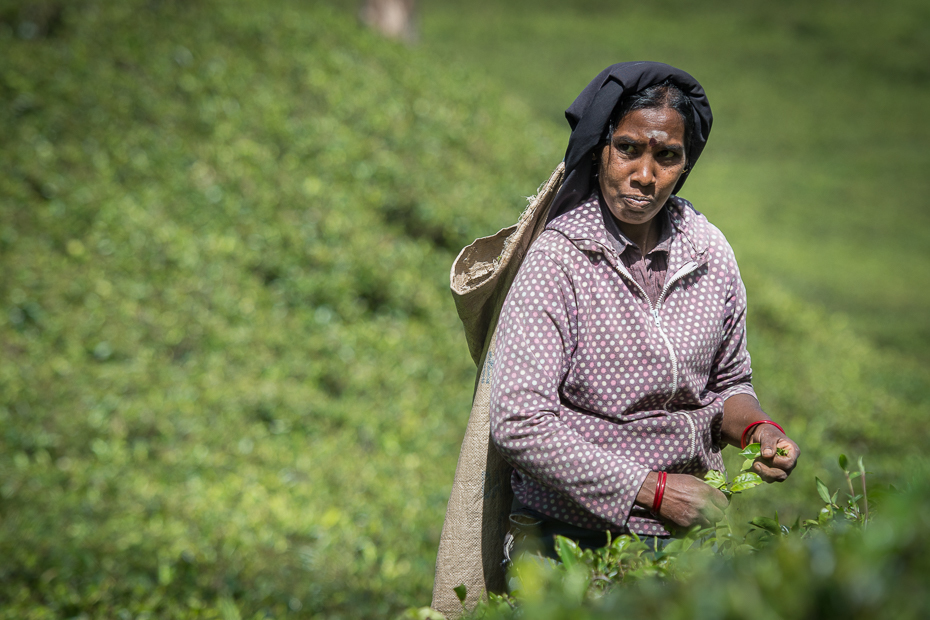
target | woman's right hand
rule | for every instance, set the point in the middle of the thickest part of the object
(687, 500)
(691, 501)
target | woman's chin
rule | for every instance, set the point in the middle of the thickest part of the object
(634, 214)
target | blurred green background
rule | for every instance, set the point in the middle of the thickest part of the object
(233, 383)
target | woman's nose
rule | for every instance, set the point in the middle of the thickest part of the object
(644, 174)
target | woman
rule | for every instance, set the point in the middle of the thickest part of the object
(621, 367)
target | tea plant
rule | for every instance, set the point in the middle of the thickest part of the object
(582, 578)
(851, 509)
(746, 479)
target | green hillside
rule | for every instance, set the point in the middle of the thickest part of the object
(233, 381)
(816, 167)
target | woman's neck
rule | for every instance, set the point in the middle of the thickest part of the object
(645, 235)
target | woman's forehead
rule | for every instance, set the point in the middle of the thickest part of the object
(652, 125)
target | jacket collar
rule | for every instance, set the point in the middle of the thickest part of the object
(621, 242)
(584, 227)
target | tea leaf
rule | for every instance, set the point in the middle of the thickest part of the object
(745, 481)
(822, 491)
(767, 524)
(715, 479)
(568, 551)
(461, 591)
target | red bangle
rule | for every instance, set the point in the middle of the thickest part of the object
(742, 439)
(660, 491)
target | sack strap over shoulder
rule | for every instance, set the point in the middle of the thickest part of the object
(482, 273)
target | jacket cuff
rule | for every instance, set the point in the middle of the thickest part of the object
(739, 388)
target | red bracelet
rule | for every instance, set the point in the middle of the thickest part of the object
(742, 439)
(660, 491)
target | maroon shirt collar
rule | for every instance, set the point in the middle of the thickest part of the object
(620, 241)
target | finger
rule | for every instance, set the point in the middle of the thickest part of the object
(769, 474)
(789, 460)
(711, 515)
(769, 441)
(719, 499)
(784, 463)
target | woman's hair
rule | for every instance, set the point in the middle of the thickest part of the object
(662, 95)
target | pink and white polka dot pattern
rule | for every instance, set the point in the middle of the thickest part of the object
(593, 387)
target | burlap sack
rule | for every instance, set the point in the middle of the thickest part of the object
(471, 545)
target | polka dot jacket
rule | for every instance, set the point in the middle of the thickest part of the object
(593, 386)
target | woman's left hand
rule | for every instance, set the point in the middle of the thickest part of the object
(742, 411)
(770, 465)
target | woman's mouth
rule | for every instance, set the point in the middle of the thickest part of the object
(637, 201)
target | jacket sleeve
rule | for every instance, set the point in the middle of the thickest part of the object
(537, 335)
(731, 372)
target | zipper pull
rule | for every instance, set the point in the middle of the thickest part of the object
(655, 315)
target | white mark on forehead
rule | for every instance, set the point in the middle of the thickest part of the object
(656, 135)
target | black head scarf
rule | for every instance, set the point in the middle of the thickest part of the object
(591, 111)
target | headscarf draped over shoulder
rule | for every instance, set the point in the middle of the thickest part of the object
(591, 111)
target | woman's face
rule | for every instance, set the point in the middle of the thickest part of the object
(639, 168)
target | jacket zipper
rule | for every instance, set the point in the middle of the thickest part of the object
(682, 272)
(685, 270)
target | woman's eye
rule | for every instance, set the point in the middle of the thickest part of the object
(628, 149)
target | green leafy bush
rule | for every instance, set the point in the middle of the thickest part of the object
(232, 377)
(839, 565)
